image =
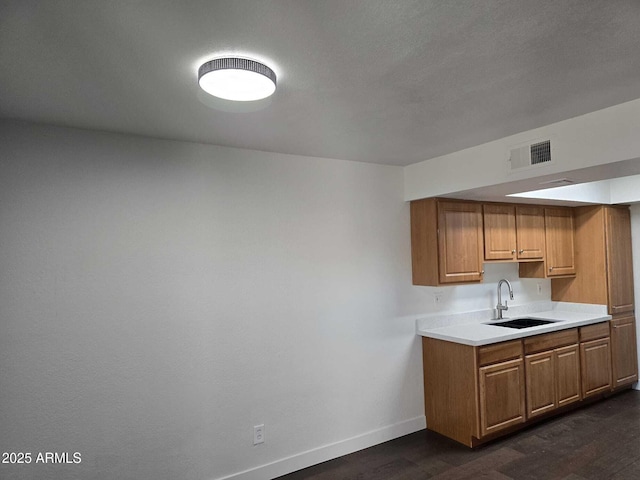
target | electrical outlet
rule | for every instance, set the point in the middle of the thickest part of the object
(539, 286)
(258, 434)
(437, 298)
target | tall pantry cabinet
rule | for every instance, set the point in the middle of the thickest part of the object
(605, 276)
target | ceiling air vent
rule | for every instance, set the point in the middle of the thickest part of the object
(530, 155)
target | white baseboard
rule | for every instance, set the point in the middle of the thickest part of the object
(331, 451)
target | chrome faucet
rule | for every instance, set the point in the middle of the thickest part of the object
(501, 307)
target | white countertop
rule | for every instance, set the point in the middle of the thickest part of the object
(478, 332)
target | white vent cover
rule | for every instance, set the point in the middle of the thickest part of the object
(530, 155)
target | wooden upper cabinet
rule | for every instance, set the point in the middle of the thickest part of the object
(499, 232)
(619, 261)
(603, 260)
(530, 232)
(559, 242)
(446, 242)
(513, 232)
(460, 242)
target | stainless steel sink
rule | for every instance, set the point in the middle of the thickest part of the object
(525, 322)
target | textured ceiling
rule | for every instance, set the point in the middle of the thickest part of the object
(392, 82)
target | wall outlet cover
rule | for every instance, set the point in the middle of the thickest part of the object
(258, 434)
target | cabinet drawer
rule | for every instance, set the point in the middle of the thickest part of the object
(550, 341)
(592, 332)
(499, 352)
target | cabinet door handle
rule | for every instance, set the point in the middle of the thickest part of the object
(550, 268)
(513, 251)
(521, 251)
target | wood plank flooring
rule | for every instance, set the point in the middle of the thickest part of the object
(599, 441)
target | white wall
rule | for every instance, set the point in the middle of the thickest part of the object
(158, 299)
(635, 239)
(603, 137)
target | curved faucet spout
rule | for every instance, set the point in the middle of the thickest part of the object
(501, 307)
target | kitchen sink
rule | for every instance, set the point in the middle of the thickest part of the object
(521, 323)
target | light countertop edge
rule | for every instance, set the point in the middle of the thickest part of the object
(478, 334)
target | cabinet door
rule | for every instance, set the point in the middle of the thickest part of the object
(502, 402)
(499, 232)
(595, 361)
(460, 252)
(567, 374)
(619, 261)
(624, 356)
(559, 241)
(530, 232)
(541, 388)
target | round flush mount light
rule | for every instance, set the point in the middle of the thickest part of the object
(237, 79)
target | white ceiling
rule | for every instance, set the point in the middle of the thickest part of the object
(392, 82)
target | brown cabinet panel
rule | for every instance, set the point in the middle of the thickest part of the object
(595, 360)
(590, 283)
(567, 369)
(502, 396)
(460, 242)
(424, 242)
(499, 232)
(604, 270)
(541, 389)
(559, 242)
(619, 261)
(530, 232)
(450, 389)
(624, 355)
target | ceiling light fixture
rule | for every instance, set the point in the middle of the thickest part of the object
(237, 79)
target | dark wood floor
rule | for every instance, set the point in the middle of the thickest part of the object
(600, 441)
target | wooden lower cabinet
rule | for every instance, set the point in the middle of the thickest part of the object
(541, 385)
(553, 377)
(624, 356)
(475, 394)
(501, 396)
(567, 375)
(595, 358)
